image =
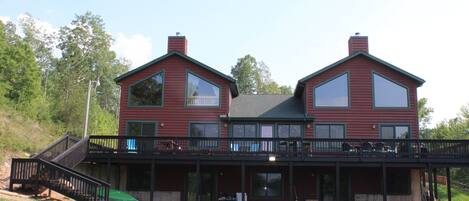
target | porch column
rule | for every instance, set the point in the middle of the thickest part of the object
(197, 175)
(448, 183)
(435, 185)
(290, 180)
(384, 182)
(108, 174)
(337, 181)
(430, 182)
(152, 179)
(243, 180)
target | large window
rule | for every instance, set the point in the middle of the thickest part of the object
(204, 130)
(287, 130)
(333, 93)
(141, 128)
(387, 93)
(147, 92)
(334, 131)
(244, 130)
(265, 185)
(329, 131)
(201, 92)
(395, 131)
(138, 177)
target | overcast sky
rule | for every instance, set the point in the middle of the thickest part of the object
(294, 38)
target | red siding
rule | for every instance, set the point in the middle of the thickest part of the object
(175, 116)
(360, 116)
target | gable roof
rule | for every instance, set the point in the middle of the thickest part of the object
(233, 87)
(266, 107)
(300, 85)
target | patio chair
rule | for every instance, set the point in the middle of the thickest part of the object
(131, 145)
(379, 147)
(346, 147)
(234, 147)
(367, 147)
(254, 148)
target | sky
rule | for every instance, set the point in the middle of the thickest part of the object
(429, 39)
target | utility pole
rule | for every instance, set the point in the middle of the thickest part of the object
(87, 111)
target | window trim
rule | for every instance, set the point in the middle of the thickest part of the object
(329, 124)
(267, 197)
(129, 90)
(302, 127)
(140, 121)
(220, 92)
(257, 134)
(394, 125)
(349, 102)
(373, 72)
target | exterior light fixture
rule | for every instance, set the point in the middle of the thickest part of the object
(373, 126)
(272, 158)
(308, 125)
(161, 124)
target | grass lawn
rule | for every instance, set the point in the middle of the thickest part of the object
(457, 195)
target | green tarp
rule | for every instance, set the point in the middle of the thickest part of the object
(115, 195)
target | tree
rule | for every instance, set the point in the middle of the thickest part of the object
(455, 128)
(246, 74)
(424, 115)
(42, 44)
(19, 73)
(86, 55)
(255, 78)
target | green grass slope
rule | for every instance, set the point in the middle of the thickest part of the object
(457, 195)
(20, 135)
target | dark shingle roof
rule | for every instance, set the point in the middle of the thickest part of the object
(267, 107)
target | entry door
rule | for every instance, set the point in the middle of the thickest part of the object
(267, 131)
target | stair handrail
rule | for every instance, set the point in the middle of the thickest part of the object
(73, 149)
(66, 137)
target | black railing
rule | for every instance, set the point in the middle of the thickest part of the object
(57, 148)
(70, 183)
(74, 155)
(283, 147)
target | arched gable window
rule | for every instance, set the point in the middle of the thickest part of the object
(332, 93)
(201, 92)
(389, 94)
(147, 92)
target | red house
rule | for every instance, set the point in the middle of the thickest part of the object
(349, 132)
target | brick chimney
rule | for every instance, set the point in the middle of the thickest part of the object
(357, 43)
(177, 43)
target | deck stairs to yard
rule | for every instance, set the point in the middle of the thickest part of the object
(52, 168)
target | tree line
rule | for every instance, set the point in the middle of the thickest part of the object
(45, 75)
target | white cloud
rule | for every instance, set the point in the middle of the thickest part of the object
(137, 48)
(4, 19)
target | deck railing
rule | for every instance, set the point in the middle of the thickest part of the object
(57, 148)
(75, 185)
(282, 147)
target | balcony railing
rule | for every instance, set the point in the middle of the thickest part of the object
(299, 148)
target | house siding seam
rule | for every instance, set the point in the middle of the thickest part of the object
(360, 116)
(173, 114)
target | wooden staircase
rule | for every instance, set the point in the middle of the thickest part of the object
(52, 168)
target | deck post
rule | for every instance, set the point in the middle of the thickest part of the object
(290, 180)
(430, 182)
(108, 174)
(384, 182)
(197, 173)
(337, 181)
(243, 180)
(152, 179)
(448, 183)
(435, 185)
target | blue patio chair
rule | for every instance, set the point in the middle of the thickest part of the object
(254, 148)
(234, 147)
(132, 146)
